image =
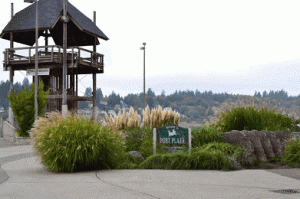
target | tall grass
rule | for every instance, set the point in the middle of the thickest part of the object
(156, 118)
(259, 104)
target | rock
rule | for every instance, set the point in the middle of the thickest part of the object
(136, 154)
(266, 143)
(275, 142)
(260, 144)
(234, 163)
(256, 142)
(237, 138)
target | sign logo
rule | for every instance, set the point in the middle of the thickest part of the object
(172, 133)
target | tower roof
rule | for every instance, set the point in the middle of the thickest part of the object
(81, 30)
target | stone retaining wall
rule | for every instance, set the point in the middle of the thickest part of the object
(2, 119)
(261, 144)
(9, 134)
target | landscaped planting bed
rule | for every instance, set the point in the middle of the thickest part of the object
(74, 144)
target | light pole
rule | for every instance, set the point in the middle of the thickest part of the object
(36, 56)
(144, 48)
(65, 19)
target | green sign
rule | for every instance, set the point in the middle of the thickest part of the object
(172, 135)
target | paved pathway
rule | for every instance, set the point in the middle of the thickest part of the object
(3, 160)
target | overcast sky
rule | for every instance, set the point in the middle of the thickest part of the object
(223, 46)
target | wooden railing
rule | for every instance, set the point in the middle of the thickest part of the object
(51, 54)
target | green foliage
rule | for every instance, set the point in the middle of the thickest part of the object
(224, 147)
(251, 119)
(205, 135)
(134, 138)
(291, 154)
(23, 107)
(77, 145)
(146, 148)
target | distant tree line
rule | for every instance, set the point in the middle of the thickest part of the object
(194, 105)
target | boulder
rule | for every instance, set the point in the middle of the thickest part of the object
(234, 163)
(239, 138)
(136, 154)
(284, 138)
(257, 144)
(261, 144)
(275, 142)
(266, 143)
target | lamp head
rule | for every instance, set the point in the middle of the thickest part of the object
(29, 1)
(144, 44)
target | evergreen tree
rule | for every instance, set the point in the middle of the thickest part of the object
(84, 104)
(134, 101)
(99, 97)
(25, 83)
(265, 94)
(113, 100)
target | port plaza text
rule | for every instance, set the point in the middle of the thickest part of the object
(174, 140)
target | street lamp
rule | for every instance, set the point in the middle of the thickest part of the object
(36, 57)
(144, 48)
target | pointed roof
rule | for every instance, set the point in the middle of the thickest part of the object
(81, 30)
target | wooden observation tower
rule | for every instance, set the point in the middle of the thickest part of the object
(81, 31)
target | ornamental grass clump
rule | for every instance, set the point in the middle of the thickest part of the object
(253, 113)
(122, 121)
(159, 118)
(71, 143)
(129, 124)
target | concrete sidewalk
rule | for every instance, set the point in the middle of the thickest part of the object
(28, 178)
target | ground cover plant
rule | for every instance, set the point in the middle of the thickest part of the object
(129, 133)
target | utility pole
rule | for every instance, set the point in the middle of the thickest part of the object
(144, 48)
(65, 21)
(11, 71)
(36, 60)
(36, 56)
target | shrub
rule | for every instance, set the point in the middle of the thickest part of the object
(206, 135)
(23, 107)
(75, 144)
(146, 148)
(241, 118)
(134, 138)
(291, 154)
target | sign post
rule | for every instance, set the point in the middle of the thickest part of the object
(172, 135)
